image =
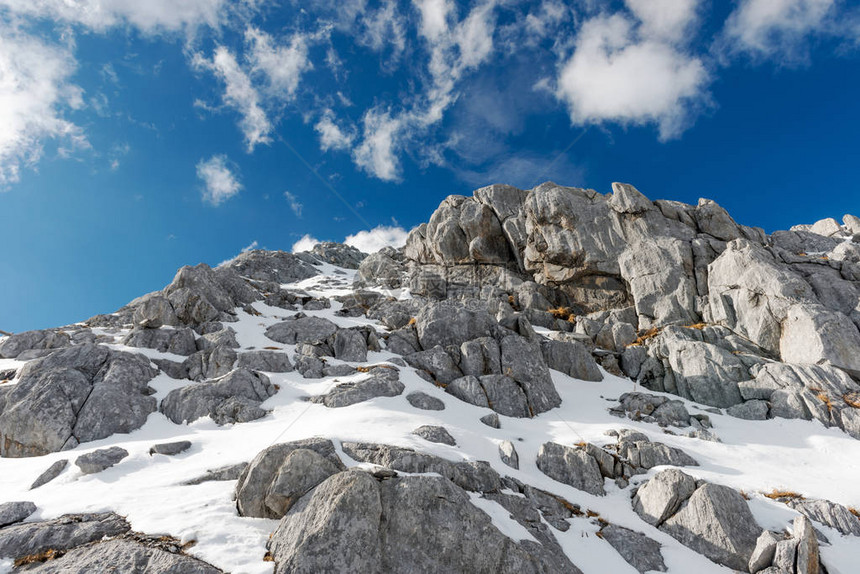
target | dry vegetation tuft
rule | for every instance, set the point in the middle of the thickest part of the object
(645, 336)
(777, 494)
(852, 400)
(563, 313)
(49, 554)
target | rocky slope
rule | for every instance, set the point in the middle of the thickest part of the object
(550, 380)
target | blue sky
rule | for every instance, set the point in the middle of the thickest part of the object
(137, 137)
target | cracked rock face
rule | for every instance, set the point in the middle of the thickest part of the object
(75, 395)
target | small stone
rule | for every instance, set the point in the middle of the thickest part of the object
(491, 420)
(425, 402)
(101, 459)
(508, 454)
(435, 434)
(170, 448)
(12, 512)
(53, 472)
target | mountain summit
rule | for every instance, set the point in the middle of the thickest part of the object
(546, 380)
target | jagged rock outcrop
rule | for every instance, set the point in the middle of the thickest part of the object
(234, 397)
(74, 395)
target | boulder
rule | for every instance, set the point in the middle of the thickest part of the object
(153, 311)
(301, 330)
(765, 549)
(350, 345)
(354, 523)
(73, 395)
(434, 433)
(571, 358)
(813, 334)
(523, 362)
(100, 459)
(571, 466)
(508, 454)
(235, 397)
(176, 341)
(14, 345)
(447, 323)
(12, 512)
(437, 363)
(229, 472)
(272, 266)
(59, 534)
(383, 381)
(828, 513)
(266, 361)
(425, 402)
(468, 389)
(210, 363)
(381, 269)
(637, 549)
(660, 498)
(280, 474)
(716, 522)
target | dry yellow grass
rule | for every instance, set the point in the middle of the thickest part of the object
(412, 321)
(852, 400)
(49, 554)
(698, 326)
(826, 400)
(581, 444)
(645, 336)
(776, 494)
(854, 511)
(564, 313)
(591, 514)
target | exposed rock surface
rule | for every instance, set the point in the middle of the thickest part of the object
(74, 395)
(101, 459)
(233, 398)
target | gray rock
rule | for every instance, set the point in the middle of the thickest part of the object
(14, 345)
(571, 466)
(508, 454)
(267, 361)
(425, 402)
(714, 220)
(176, 341)
(807, 546)
(435, 434)
(765, 548)
(270, 484)
(523, 362)
(380, 269)
(472, 476)
(446, 323)
(170, 448)
(646, 454)
(571, 358)
(301, 330)
(382, 382)
(12, 512)
(491, 420)
(829, 513)
(752, 410)
(371, 526)
(272, 266)
(338, 254)
(826, 227)
(200, 294)
(437, 363)
(661, 497)
(627, 199)
(480, 357)
(813, 334)
(225, 337)
(468, 389)
(350, 345)
(716, 522)
(50, 474)
(785, 556)
(235, 397)
(63, 533)
(76, 394)
(100, 459)
(153, 311)
(230, 472)
(505, 396)
(637, 549)
(125, 556)
(210, 363)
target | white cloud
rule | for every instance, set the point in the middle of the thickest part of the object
(375, 239)
(282, 65)
(766, 28)
(149, 16)
(382, 27)
(240, 95)
(664, 19)
(35, 89)
(250, 247)
(628, 74)
(219, 182)
(376, 153)
(332, 136)
(295, 205)
(306, 243)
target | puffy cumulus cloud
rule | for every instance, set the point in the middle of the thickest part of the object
(633, 72)
(239, 94)
(294, 202)
(333, 136)
(665, 19)
(306, 243)
(767, 28)
(282, 65)
(35, 90)
(219, 182)
(376, 154)
(371, 241)
(148, 16)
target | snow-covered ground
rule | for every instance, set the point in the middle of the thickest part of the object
(754, 456)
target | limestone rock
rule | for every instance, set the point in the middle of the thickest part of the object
(425, 402)
(101, 459)
(435, 434)
(571, 466)
(235, 397)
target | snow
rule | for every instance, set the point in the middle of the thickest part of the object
(754, 456)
